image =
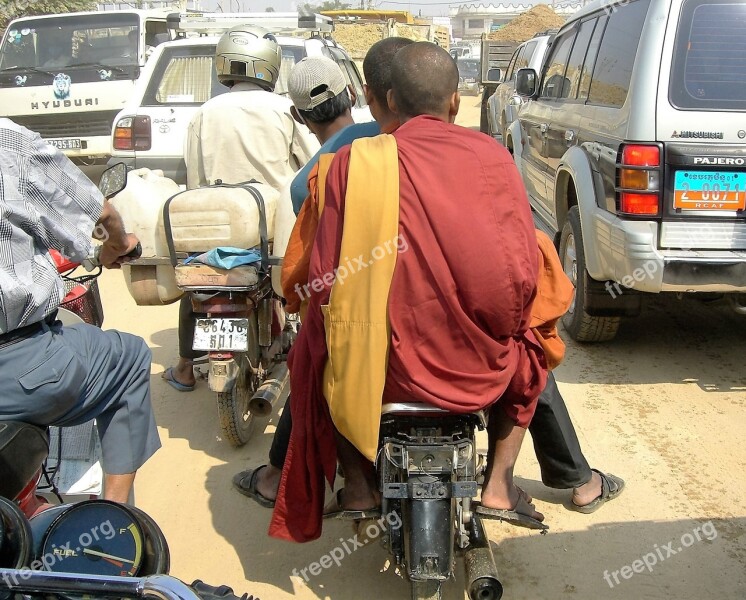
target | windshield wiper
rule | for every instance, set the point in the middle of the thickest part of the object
(32, 69)
(96, 65)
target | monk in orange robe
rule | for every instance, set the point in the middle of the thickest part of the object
(459, 304)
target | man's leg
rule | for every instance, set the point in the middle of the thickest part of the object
(267, 480)
(183, 372)
(562, 463)
(80, 373)
(505, 439)
(360, 491)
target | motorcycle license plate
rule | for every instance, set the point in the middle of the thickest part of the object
(221, 334)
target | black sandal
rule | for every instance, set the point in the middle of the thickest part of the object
(245, 483)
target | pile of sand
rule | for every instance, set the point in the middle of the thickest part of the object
(528, 24)
(357, 37)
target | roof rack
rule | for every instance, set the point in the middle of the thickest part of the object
(288, 23)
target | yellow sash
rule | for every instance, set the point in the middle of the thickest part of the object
(356, 321)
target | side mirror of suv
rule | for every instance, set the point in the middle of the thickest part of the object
(494, 74)
(526, 82)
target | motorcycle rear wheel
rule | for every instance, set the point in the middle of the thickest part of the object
(236, 421)
(426, 590)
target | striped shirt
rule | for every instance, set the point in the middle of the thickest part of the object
(45, 202)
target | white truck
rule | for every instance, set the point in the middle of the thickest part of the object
(66, 76)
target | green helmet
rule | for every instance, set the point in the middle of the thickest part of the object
(248, 53)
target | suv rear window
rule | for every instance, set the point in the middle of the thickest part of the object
(186, 75)
(709, 68)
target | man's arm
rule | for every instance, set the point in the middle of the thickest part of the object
(303, 145)
(117, 243)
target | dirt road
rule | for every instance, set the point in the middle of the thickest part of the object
(663, 407)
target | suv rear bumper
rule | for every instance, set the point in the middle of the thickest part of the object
(627, 252)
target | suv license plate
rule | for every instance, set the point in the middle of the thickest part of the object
(709, 190)
(67, 144)
(221, 334)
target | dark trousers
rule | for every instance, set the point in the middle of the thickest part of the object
(556, 444)
(186, 328)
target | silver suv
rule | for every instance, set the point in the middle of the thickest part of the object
(179, 77)
(632, 145)
(502, 106)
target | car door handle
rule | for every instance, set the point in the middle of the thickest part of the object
(569, 135)
(544, 127)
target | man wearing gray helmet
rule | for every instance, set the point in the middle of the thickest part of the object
(245, 134)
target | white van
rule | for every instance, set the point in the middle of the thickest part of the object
(67, 76)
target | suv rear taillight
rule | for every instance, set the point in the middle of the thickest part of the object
(132, 133)
(639, 179)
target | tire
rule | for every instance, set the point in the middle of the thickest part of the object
(429, 589)
(581, 326)
(236, 421)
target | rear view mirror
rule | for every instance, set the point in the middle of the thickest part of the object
(494, 74)
(113, 180)
(525, 82)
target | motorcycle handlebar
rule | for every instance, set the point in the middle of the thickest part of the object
(93, 262)
(154, 587)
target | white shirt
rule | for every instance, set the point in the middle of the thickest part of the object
(247, 133)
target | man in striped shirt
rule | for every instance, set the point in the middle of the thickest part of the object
(55, 375)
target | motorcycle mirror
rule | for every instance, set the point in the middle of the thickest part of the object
(113, 180)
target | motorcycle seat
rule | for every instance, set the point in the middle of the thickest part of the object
(23, 449)
(199, 276)
(420, 409)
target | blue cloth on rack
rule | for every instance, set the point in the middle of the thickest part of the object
(226, 257)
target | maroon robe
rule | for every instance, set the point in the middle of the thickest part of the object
(459, 306)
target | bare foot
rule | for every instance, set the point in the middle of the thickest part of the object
(512, 503)
(588, 492)
(268, 482)
(182, 372)
(354, 498)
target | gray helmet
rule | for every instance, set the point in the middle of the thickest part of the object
(248, 53)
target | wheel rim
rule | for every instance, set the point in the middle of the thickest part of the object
(570, 266)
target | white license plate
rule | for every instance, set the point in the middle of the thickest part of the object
(221, 334)
(66, 144)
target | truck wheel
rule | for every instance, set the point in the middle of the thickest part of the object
(236, 421)
(426, 590)
(581, 326)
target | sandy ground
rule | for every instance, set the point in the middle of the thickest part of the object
(662, 406)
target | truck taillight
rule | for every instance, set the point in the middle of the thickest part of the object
(132, 133)
(639, 179)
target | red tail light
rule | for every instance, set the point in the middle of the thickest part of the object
(639, 180)
(132, 133)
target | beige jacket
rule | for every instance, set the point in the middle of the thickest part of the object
(247, 133)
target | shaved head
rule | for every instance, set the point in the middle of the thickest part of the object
(377, 65)
(424, 78)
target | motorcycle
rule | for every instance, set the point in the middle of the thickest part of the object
(244, 329)
(427, 466)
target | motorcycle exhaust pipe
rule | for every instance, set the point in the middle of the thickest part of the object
(263, 401)
(482, 581)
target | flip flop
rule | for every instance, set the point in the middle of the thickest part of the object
(518, 516)
(245, 483)
(337, 512)
(168, 376)
(611, 487)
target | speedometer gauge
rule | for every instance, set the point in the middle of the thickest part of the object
(96, 537)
